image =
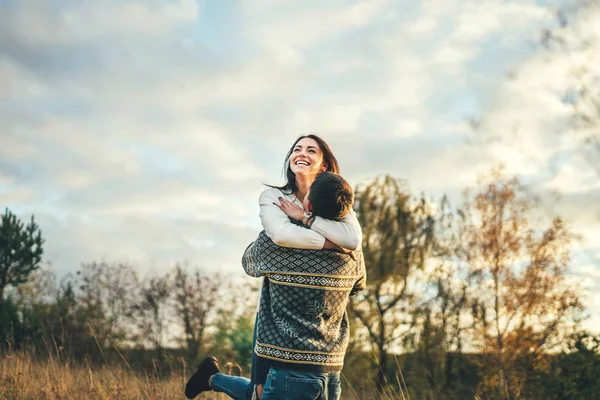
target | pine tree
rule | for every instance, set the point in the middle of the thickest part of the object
(20, 250)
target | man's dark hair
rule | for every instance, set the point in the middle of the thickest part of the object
(331, 196)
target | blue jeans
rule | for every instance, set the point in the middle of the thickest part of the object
(240, 388)
(236, 387)
(284, 384)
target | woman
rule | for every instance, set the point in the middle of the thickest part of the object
(308, 157)
(279, 205)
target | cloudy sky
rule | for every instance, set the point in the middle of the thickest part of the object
(141, 130)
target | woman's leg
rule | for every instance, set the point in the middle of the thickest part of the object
(236, 387)
(208, 377)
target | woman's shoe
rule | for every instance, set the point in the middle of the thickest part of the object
(199, 382)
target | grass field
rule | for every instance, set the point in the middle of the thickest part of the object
(23, 377)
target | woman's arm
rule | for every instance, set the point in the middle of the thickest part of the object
(346, 232)
(279, 228)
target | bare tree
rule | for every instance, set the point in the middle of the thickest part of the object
(195, 299)
(150, 311)
(107, 292)
(41, 286)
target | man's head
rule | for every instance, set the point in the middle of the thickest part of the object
(330, 196)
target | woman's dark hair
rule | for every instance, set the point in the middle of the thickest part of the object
(328, 158)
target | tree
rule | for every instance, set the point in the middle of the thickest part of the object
(232, 339)
(523, 304)
(573, 374)
(233, 323)
(444, 333)
(35, 300)
(54, 318)
(398, 232)
(106, 295)
(69, 328)
(150, 311)
(11, 327)
(195, 300)
(41, 286)
(20, 250)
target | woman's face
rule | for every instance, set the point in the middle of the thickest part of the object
(307, 158)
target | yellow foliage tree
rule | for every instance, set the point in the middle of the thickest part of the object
(522, 300)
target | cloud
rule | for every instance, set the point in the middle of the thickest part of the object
(286, 32)
(40, 22)
(142, 130)
(573, 177)
(589, 278)
(529, 123)
(149, 243)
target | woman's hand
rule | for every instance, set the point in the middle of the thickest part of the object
(329, 245)
(290, 209)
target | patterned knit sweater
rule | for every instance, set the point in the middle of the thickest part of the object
(302, 322)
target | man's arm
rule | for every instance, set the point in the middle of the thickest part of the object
(263, 257)
(251, 260)
(258, 258)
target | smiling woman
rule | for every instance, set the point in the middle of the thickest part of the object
(309, 156)
(308, 151)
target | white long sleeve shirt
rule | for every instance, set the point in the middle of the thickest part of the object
(345, 233)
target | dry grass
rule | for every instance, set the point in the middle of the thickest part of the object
(23, 378)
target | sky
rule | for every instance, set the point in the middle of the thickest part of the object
(143, 130)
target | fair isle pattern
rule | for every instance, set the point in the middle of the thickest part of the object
(264, 257)
(286, 327)
(292, 303)
(316, 308)
(293, 356)
(317, 281)
(302, 317)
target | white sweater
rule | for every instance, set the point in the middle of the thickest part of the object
(345, 233)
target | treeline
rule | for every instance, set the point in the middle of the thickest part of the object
(106, 312)
(467, 301)
(477, 299)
